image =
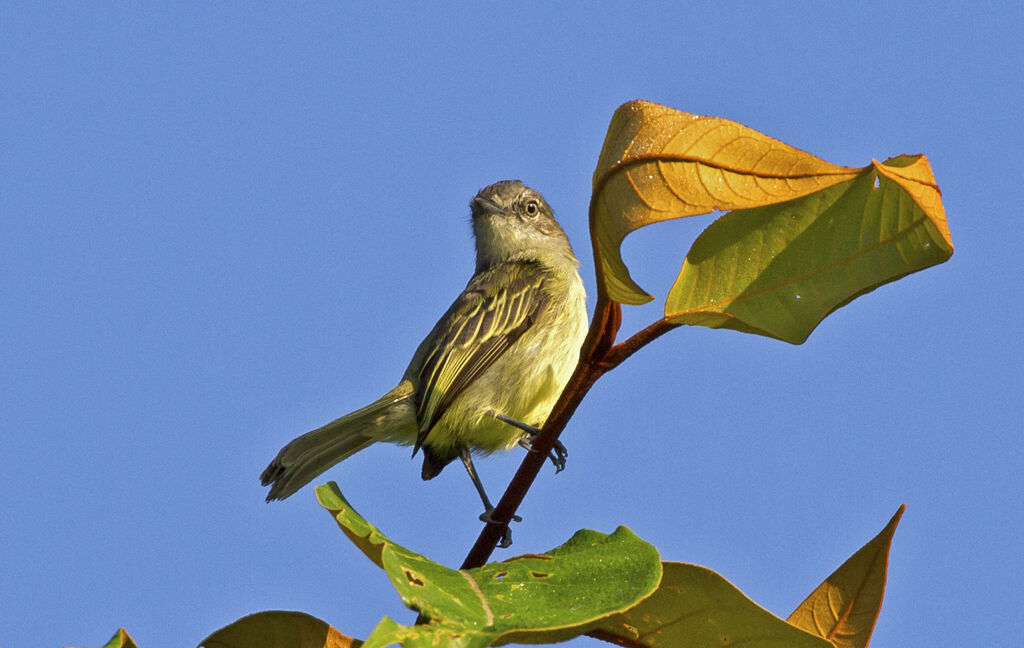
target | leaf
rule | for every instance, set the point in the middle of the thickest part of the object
(533, 598)
(779, 270)
(279, 629)
(845, 607)
(121, 639)
(390, 633)
(804, 237)
(695, 608)
(658, 163)
(362, 534)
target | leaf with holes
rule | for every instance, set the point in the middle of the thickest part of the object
(804, 237)
(693, 608)
(845, 607)
(533, 598)
(279, 629)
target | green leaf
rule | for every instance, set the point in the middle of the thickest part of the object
(279, 629)
(362, 534)
(533, 598)
(845, 607)
(434, 635)
(779, 270)
(696, 608)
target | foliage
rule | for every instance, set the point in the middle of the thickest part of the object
(613, 587)
(803, 238)
(534, 598)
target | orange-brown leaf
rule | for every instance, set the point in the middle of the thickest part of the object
(845, 607)
(914, 174)
(658, 163)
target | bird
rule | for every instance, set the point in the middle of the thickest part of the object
(488, 374)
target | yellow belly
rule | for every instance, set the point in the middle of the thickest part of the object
(523, 384)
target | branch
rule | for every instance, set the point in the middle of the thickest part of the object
(589, 368)
(619, 352)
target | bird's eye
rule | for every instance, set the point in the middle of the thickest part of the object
(532, 208)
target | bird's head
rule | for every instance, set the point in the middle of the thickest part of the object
(513, 222)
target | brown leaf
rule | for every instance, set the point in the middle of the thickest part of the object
(658, 163)
(845, 607)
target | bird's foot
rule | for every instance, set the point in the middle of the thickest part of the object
(506, 533)
(557, 455)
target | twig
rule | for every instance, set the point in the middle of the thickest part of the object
(588, 370)
(598, 356)
(623, 350)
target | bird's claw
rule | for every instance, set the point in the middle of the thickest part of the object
(557, 455)
(506, 533)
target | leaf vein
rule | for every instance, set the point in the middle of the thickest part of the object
(480, 595)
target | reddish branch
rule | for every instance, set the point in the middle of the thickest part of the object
(598, 355)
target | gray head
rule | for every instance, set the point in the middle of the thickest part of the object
(513, 222)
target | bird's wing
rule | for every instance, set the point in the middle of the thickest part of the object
(497, 307)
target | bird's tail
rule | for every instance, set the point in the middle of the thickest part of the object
(307, 456)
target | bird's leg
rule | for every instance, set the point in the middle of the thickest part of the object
(557, 454)
(506, 535)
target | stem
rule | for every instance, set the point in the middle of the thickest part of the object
(623, 350)
(598, 356)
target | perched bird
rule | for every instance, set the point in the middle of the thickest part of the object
(488, 374)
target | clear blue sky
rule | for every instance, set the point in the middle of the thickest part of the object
(224, 224)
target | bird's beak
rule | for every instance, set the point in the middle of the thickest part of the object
(483, 206)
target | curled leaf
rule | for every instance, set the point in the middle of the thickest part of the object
(804, 236)
(658, 163)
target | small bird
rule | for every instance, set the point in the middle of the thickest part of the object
(488, 374)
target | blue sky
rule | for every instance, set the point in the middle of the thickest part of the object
(222, 225)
